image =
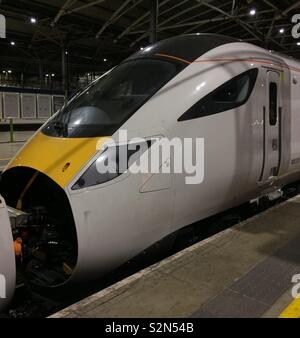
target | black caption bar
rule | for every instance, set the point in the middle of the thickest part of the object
(136, 328)
(98, 328)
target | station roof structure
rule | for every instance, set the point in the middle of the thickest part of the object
(98, 34)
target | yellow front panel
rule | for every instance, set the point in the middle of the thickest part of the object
(59, 158)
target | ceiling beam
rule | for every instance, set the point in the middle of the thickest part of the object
(168, 20)
(269, 34)
(197, 15)
(290, 8)
(80, 8)
(251, 30)
(114, 17)
(203, 21)
(163, 12)
(65, 6)
(129, 28)
(269, 3)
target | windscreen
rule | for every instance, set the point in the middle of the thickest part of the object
(109, 102)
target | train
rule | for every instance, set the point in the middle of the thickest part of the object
(63, 221)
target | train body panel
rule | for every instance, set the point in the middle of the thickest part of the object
(240, 99)
(294, 101)
(119, 232)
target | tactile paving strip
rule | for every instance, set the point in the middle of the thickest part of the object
(253, 294)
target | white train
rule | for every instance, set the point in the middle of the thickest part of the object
(241, 99)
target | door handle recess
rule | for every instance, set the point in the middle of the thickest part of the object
(275, 144)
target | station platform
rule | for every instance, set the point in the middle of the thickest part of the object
(243, 272)
(9, 150)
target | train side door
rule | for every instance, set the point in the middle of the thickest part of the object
(272, 127)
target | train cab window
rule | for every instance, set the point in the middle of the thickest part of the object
(273, 103)
(110, 101)
(230, 95)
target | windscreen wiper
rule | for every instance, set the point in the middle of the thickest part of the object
(61, 127)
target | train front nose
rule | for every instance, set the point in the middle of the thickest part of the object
(7, 258)
(36, 183)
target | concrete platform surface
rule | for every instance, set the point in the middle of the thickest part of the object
(243, 272)
(9, 150)
(19, 136)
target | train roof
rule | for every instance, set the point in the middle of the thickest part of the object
(192, 46)
(187, 47)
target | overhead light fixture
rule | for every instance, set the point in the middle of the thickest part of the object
(9, 71)
(12, 43)
(33, 20)
(281, 31)
(253, 12)
(298, 43)
(105, 60)
(52, 74)
(47, 75)
(142, 48)
(66, 52)
(4, 71)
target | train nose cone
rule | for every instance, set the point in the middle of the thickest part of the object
(7, 258)
(58, 158)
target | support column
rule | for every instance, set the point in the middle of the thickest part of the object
(153, 20)
(22, 79)
(65, 72)
(41, 74)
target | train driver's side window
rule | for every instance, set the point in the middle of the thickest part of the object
(230, 95)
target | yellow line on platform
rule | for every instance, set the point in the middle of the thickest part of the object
(292, 311)
(5, 159)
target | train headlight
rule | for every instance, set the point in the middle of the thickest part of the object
(112, 162)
